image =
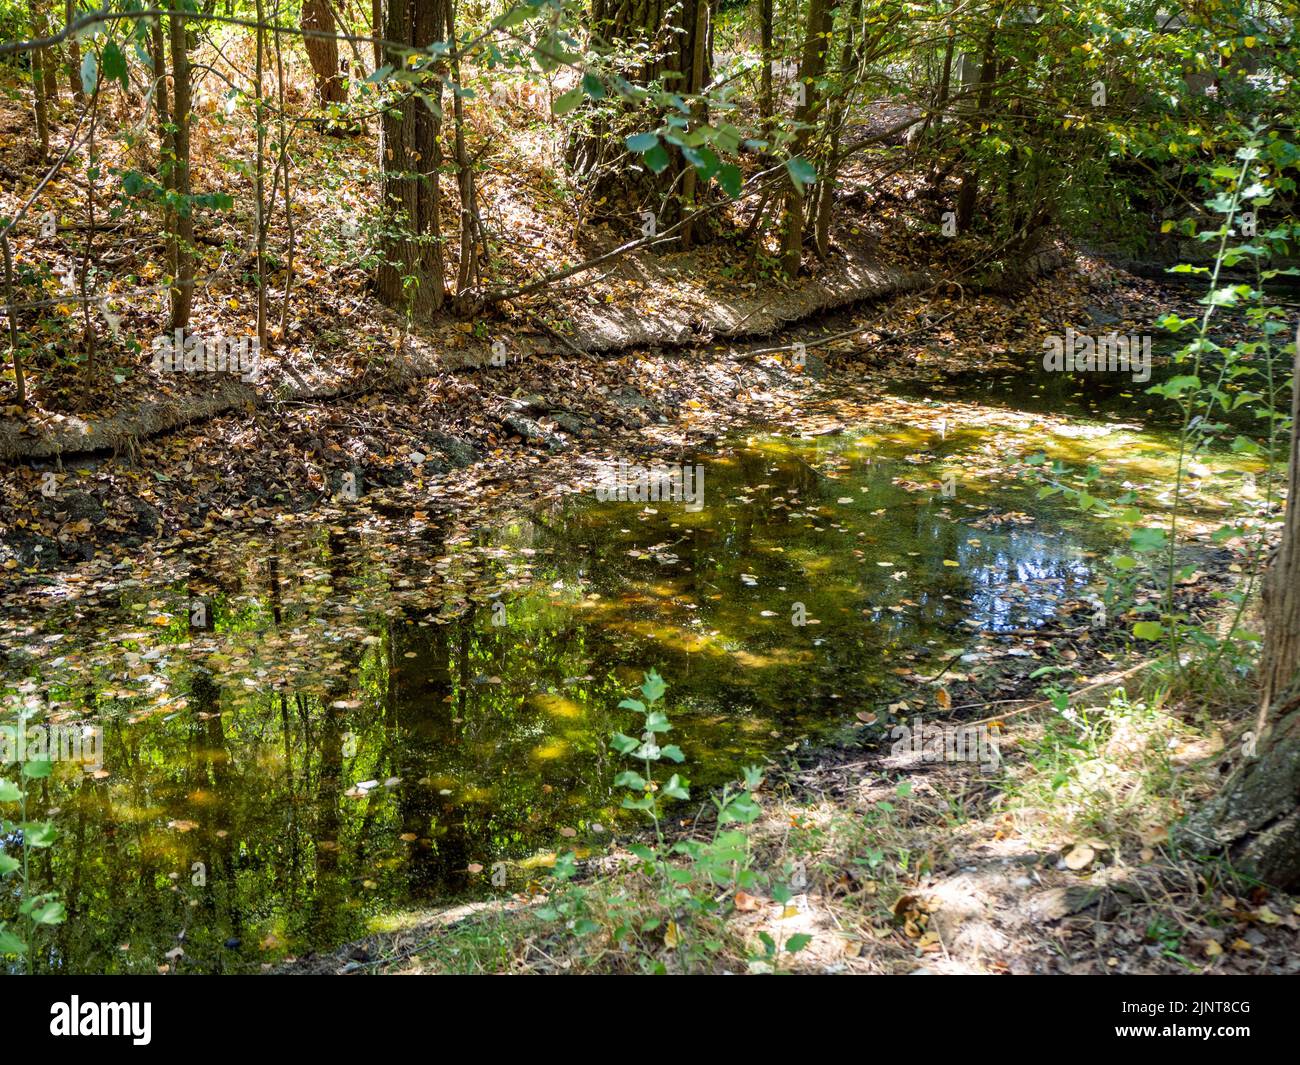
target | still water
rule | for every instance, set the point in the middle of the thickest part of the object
(366, 720)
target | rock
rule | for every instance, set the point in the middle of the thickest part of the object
(80, 506)
(533, 431)
(570, 423)
(530, 402)
(458, 452)
(1101, 317)
(144, 516)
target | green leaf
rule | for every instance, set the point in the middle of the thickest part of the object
(50, 913)
(656, 721)
(89, 72)
(39, 834)
(673, 753)
(10, 792)
(796, 943)
(1148, 630)
(632, 704)
(630, 779)
(641, 142)
(516, 15)
(653, 687)
(8, 864)
(675, 788)
(623, 744)
(113, 63)
(1145, 541)
(593, 87)
(37, 770)
(656, 159)
(10, 943)
(730, 178)
(801, 172)
(567, 102)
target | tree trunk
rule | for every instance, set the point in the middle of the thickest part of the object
(1255, 819)
(50, 59)
(323, 52)
(970, 182)
(850, 59)
(180, 220)
(698, 63)
(468, 273)
(412, 275)
(812, 64)
(766, 108)
(677, 43)
(74, 54)
(38, 85)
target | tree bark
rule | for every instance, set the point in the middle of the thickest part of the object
(1255, 819)
(74, 54)
(38, 85)
(412, 275)
(850, 59)
(181, 218)
(812, 64)
(50, 59)
(323, 52)
(677, 40)
(765, 103)
(970, 182)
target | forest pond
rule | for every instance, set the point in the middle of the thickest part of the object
(355, 723)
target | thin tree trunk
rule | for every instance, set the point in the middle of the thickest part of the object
(50, 61)
(699, 57)
(38, 85)
(20, 381)
(74, 55)
(181, 229)
(288, 202)
(849, 60)
(766, 109)
(469, 220)
(259, 174)
(1281, 593)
